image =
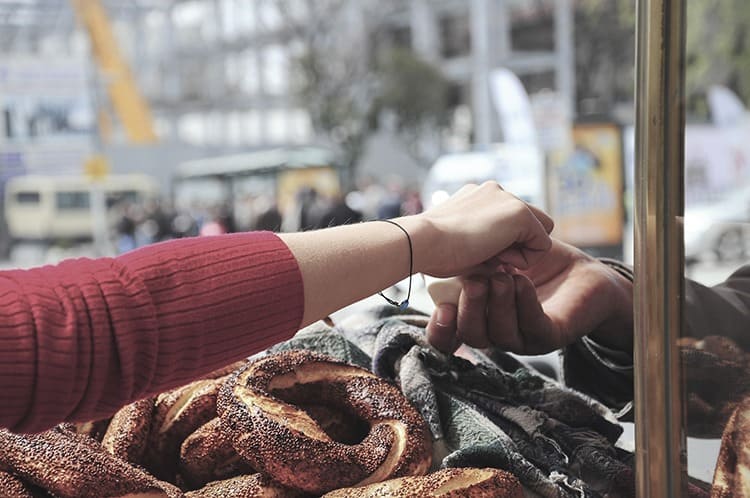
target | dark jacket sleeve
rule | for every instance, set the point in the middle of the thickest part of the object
(607, 375)
(723, 309)
(601, 372)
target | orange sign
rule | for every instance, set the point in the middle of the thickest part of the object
(586, 188)
(96, 167)
(323, 179)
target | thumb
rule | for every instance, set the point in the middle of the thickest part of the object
(442, 328)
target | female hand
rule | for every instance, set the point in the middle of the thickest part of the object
(564, 295)
(477, 225)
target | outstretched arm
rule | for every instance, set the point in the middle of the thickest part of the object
(479, 223)
(80, 339)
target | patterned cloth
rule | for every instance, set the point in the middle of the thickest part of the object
(487, 412)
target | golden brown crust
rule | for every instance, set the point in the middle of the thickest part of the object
(73, 465)
(446, 483)
(177, 414)
(247, 486)
(127, 434)
(206, 455)
(11, 485)
(732, 474)
(284, 442)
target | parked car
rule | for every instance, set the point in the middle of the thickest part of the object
(518, 168)
(720, 229)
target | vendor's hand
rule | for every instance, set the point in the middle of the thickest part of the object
(564, 295)
(480, 224)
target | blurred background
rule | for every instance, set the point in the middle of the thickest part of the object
(127, 122)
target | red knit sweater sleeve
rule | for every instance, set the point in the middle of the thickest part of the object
(82, 338)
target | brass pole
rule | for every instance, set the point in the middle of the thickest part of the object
(659, 255)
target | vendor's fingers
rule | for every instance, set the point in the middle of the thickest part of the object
(472, 312)
(490, 267)
(441, 329)
(538, 330)
(502, 324)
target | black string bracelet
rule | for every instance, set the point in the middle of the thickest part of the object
(403, 304)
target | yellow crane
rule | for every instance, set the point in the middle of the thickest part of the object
(127, 101)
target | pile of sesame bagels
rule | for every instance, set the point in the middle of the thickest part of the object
(290, 424)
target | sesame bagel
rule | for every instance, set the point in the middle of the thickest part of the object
(246, 486)
(70, 465)
(446, 483)
(176, 415)
(127, 434)
(732, 474)
(207, 455)
(259, 407)
(11, 485)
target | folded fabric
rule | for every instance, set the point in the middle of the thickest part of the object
(485, 413)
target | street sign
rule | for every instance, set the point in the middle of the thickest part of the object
(96, 167)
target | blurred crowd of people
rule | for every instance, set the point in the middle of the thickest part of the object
(156, 220)
(370, 201)
(140, 224)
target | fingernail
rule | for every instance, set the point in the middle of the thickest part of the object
(500, 284)
(446, 315)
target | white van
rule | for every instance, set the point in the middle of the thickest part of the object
(48, 207)
(518, 168)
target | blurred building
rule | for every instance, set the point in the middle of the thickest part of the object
(468, 39)
(219, 75)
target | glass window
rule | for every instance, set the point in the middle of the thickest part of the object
(276, 70)
(72, 200)
(716, 230)
(400, 36)
(27, 197)
(455, 35)
(121, 196)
